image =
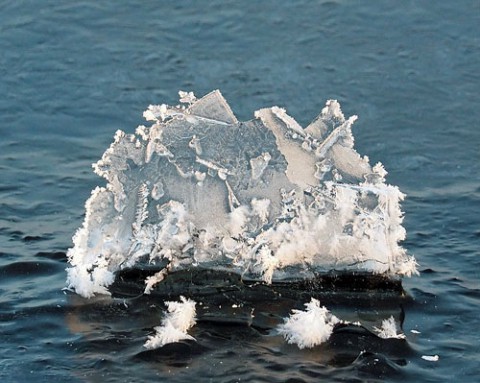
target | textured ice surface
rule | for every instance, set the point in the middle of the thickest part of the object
(265, 198)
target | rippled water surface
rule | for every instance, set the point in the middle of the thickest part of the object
(72, 73)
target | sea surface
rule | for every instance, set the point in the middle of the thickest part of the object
(73, 72)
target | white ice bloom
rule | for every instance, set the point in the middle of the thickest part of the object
(154, 279)
(87, 283)
(408, 267)
(182, 314)
(238, 221)
(180, 317)
(260, 208)
(198, 187)
(309, 328)
(389, 329)
(149, 115)
(165, 334)
(332, 110)
(187, 97)
(155, 112)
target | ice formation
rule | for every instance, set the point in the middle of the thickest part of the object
(389, 329)
(265, 198)
(431, 358)
(179, 319)
(309, 328)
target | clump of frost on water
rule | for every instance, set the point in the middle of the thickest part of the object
(389, 329)
(266, 198)
(178, 320)
(309, 328)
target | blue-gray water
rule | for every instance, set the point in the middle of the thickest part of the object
(71, 73)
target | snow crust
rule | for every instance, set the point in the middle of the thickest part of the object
(265, 198)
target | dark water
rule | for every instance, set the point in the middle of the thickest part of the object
(71, 73)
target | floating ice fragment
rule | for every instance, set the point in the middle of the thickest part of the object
(431, 358)
(198, 187)
(309, 328)
(179, 319)
(389, 329)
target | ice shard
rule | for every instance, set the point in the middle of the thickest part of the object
(264, 198)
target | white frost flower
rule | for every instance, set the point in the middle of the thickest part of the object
(165, 334)
(181, 314)
(268, 263)
(179, 319)
(408, 267)
(309, 328)
(187, 97)
(389, 329)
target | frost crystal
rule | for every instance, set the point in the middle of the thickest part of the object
(309, 328)
(200, 188)
(179, 319)
(389, 329)
(165, 334)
